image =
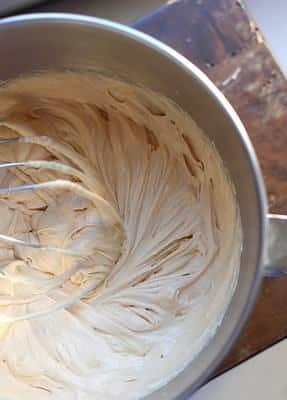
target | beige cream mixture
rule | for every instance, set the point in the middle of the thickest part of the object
(148, 221)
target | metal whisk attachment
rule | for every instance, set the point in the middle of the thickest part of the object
(86, 186)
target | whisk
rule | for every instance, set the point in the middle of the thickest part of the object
(86, 186)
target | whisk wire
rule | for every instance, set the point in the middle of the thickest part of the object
(85, 186)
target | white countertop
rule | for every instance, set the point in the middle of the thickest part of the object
(262, 377)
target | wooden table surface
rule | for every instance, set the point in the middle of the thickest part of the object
(220, 37)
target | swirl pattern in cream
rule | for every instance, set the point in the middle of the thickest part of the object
(147, 215)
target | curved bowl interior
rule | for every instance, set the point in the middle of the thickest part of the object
(57, 41)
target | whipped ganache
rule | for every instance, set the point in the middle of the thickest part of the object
(146, 215)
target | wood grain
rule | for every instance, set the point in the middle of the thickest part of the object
(220, 38)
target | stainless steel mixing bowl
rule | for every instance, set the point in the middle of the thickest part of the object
(57, 41)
